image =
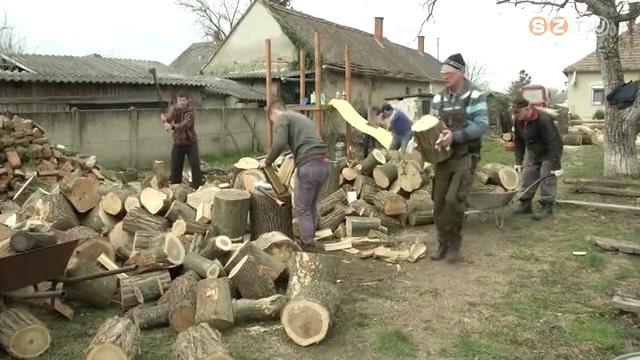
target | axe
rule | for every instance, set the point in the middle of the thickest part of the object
(152, 71)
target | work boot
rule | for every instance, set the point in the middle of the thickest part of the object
(440, 253)
(523, 208)
(545, 211)
(453, 254)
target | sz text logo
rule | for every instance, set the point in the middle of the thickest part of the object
(556, 26)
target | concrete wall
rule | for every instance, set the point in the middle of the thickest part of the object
(134, 138)
(244, 50)
(579, 95)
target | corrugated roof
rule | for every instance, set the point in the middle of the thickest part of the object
(101, 70)
(194, 57)
(390, 59)
(629, 46)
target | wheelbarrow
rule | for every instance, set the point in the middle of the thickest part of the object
(499, 203)
(46, 264)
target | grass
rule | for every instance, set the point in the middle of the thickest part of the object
(472, 348)
(227, 160)
(604, 335)
(394, 344)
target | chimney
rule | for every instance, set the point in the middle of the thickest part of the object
(377, 34)
(421, 44)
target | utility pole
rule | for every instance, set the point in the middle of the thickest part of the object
(438, 49)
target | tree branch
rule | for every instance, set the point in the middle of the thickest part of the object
(429, 5)
(632, 14)
(559, 5)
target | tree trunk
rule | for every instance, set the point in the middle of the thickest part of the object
(96, 292)
(250, 281)
(360, 226)
(265, 309)
(267, 216)
(202, 266)
(180, 210)
(268, 265)
(386, 174)
(313, 297)
(328, 203)
(181, 298)
(22, 335)
(155, 201)
(149, 317)
(113, 202)
(140, 219)
(411, 176)
(200, 342)
(333, 219)
(375, 158)
(99, 220)
(276, 244)
(143, 288)
(230, 212)
(213, 303)
(117, 338)
(82, 192)
(390, 204)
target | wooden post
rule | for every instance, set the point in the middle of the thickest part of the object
(316, 64)
(302, 59)
(267, 44)
(347, 85)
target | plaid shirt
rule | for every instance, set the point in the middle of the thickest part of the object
(183, 124)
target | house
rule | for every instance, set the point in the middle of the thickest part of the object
(380, 68)
(585, 88)
(47, 83)
(191, 61)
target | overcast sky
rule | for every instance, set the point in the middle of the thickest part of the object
(496, 37)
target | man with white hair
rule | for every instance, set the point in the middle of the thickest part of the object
(463, 108)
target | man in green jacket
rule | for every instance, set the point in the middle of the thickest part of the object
(311, 161)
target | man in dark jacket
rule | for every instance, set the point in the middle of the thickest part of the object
(311, 161)
(181, 119)
(536, 135)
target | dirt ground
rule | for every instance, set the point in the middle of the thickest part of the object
(519, 293)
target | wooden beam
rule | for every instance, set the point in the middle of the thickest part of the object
(602, 206)
(316, 65)
(347, 85)
(302, 59)
(267, 46)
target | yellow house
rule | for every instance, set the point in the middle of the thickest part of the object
(585, 88)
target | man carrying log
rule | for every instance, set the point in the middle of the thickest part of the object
(311, 161)
(463, 108)
(536, 134)
(181, 120)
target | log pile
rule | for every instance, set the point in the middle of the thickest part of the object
(581, 135)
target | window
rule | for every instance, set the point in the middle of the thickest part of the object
(419, 90)
(407, 91)
(597, 95)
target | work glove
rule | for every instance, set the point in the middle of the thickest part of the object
(517, 168)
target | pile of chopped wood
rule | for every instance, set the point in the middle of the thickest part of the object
(581, 135)
(26, 152)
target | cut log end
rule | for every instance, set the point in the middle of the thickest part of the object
(182, 318)
(305, 322)
(106, 351)
(30, 342)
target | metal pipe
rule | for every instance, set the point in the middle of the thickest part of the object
(36, 295)
(302, 60)
(81, 278)
(316, 64)
(267, 50)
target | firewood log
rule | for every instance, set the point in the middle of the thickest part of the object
(181, 298)
(200, 342)
(143, 288)
(375, 158)
(149, 317)
(117, 338)
(265, 309)
(180, 210)
(181, 227)
(140, 219)
(333, 219)
(22, 335)
(155, 201)
(390, 204)
(411, 176)
(360, 226)
(276, 244)
(113, 203)
(385, 175)
(266, 216)
(82, 192)
(250, 281)
(268, 264)
(214, 303)
(51, 208)
(230, 212)
(327, 204)
(216, 247)
(204, 267)
(96, 292)
(99, 220)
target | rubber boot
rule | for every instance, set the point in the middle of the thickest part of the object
(453, 254)
(524, 208)
(545, 211)
(440, 253)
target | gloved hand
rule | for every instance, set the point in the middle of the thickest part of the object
(517, 168)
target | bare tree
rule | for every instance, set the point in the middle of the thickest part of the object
(218, 17)
(10, 42)
(523, 79)
(477, 75)
(621, 126)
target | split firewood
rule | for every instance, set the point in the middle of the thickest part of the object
(214, 303)
(200, 342)
(110, 265)
(117, 338)
(313, 298)
(411, 177)
(180, 210)
(392, 256)
(119, 238)
(626, 304)
(22, 335)
(96, 292)
(340, 232)
(327, 204)
(340, 245)
(249, 280)
(140, 219)
(51, 208)
(181, 298)
(265, 309)
(417, 251)
(82, 192)
(155, 201)
(285, 171)
(375, 158)
(377, 234)
(230, 212)
(385, 175)
(203, 195)
(269, 265)
(390, 204)
(266, 215)
(143, 288)
(204, 267)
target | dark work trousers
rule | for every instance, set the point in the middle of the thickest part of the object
(178, 153)
(451, 185)
(400, 142)
(548, 187)
(368, 144)
(310, 177)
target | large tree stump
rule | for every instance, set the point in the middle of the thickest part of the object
(360, 226)
(390, 204)
(375, 158)
(143, 288)
(96, 292)
(230, 212)
(385, 174)
(200, 342)
(51, 208)
(267, 216)
(501, 175)
(411, 177)
(313, 298)
(181, 298)
(250, 281)
(113, 203)
(276, 244)
(118, 338)
(22, 335)
(327, 204)
(140, 219)
(268, 265)
(213, 303)
(204, 267)
(155, 201)
(82, 192)
(99, 220)
(149, 317)
(265, 309)
(333, 219)
(180, 210)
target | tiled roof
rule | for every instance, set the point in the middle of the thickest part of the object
(194, 57)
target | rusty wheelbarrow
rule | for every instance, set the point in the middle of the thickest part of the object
(499, 203)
